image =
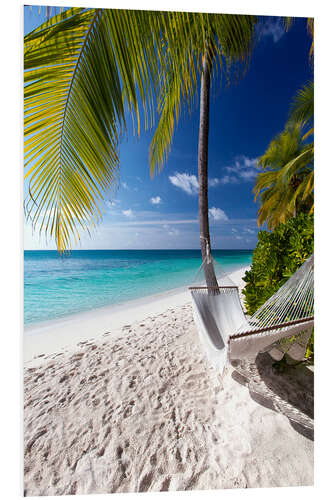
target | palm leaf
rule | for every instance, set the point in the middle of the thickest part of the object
(81, 67)
(302, 108)
(286, 161)
(310, 26)
(226, 40)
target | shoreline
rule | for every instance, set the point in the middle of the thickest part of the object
(49, 337)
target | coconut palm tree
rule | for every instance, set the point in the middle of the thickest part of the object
(227, 41)
(285, 187)
(86, 72)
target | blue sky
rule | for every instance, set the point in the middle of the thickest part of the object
(163, 212)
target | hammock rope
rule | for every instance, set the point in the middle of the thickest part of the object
(282, 324)
(223, 279)
(293, 301)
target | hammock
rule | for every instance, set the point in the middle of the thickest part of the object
(282, 325)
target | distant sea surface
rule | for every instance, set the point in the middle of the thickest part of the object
(56, 286)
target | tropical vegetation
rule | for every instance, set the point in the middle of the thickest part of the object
(278, 254)
(285, 187)
(284, 190)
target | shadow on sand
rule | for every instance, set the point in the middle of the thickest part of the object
(290, 393)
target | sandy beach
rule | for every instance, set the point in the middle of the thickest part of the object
(124, 400)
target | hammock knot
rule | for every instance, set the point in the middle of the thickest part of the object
(208, 257)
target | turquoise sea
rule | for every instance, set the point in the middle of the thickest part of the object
(56, 286)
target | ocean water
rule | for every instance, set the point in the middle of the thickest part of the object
(56, 286)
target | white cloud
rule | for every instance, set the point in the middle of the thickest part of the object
(250, 231)
(111, 204)
(229, 179)
(189, 183)
(155, 200)
(233, 230)
(124, 185)
(214, 182)
(121, 232)
(128, 213)
(274, 29)
(250, 162)
(186, 182)
(244, 169)
(248, 175)
(218, 214)
(174, 232)
(238, 237)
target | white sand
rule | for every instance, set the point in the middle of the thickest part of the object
(140, 409)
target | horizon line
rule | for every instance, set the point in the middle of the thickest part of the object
(128, 249)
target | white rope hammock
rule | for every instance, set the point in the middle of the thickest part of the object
(283, 324)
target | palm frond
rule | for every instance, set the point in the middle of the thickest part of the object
(226, 40)
(310, 26)
(286, 182)
(288, 21)
(285, 146)
(302, 108)
(169, 107)
(295, 165)
(81, 68)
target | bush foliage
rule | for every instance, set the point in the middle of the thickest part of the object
(276, 257)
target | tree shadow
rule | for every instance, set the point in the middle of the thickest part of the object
(290, 392)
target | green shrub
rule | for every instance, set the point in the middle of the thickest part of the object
(276, 257)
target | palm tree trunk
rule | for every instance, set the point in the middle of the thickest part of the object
(203, 175)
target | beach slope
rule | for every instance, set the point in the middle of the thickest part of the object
(140, 409)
